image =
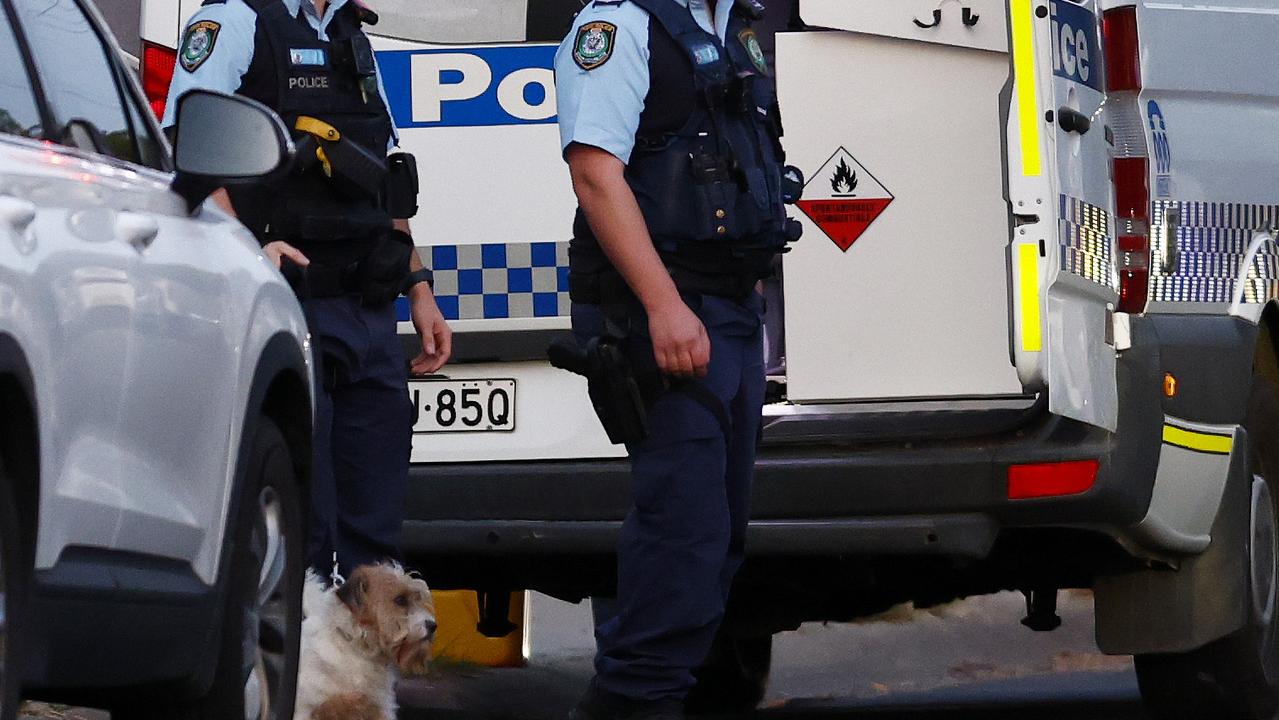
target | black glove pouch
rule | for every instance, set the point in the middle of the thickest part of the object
(401, 186)
(385, 269)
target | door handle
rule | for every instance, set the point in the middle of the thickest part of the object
(17, 213)
(1073, 121)
(136, 229)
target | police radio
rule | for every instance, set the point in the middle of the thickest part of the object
(355, 56)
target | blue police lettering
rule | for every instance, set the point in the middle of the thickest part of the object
(1074, 44)
(469, 87)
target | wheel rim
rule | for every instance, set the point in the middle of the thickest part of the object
(264, 641)
(1264, 552)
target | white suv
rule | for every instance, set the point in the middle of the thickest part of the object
(155, 405)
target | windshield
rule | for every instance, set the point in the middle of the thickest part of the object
(475, 21)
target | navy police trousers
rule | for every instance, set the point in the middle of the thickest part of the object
(683, 540)
(363, 434)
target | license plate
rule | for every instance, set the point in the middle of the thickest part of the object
(444, 406)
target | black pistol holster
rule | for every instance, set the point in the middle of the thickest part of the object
(614, 391)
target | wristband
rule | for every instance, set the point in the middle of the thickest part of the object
(419, 276)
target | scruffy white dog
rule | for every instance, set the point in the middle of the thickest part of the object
(358, 639)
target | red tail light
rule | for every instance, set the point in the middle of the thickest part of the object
(1132, 166)
(158, 63)
(1123, 54)
(1132, 189)
(1051, 479)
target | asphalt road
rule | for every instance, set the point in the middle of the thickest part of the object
(966, 661)
(1071, 696)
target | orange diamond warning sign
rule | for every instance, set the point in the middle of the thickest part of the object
(843, 199)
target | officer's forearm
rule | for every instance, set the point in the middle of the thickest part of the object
(223, 200)
(614, 214)
(420, 290)
(415, 260)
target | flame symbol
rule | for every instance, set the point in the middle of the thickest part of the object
(845, 180)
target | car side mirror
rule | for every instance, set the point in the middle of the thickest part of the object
(226, 140)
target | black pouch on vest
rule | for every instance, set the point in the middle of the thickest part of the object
(385, 269)
(401, 186)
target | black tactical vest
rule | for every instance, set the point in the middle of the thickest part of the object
(295, 73)
(707, 164)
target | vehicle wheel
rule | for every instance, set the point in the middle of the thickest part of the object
(1237, 676)
(12, 579)
(734, 677)
(257, 664)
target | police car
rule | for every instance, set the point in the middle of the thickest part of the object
(154, 395)
(1028, 340)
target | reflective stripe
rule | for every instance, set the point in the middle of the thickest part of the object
(1198, 441)
(499, 281)
(1027, 86)
(1028, 266)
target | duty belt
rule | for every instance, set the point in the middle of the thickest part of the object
(609, 288)
(322, 281)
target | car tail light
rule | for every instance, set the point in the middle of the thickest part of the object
(1131, 165)
(1051, 479)
(158, 63)
(1123, 55)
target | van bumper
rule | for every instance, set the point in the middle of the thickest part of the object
(812, 495)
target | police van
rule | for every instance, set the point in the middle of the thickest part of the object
(1027, 342)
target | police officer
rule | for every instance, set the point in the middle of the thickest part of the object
(669, 125)
(337, 226)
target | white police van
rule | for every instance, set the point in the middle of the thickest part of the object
(1027, 342)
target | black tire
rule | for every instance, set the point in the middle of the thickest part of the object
(1237, 677)
(262, 620)
(734, 677)
(12, 592)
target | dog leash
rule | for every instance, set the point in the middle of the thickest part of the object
(336, 577)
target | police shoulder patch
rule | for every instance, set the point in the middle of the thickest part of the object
(198, 44)
(751, 41)
(594, 44)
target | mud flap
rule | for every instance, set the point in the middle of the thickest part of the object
(1175, 611)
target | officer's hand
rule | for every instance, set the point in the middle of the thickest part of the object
(434, 331)
(680, 343)
(278, 250)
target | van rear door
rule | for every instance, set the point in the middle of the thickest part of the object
(1078, 324)
(899, 288)
(941, 201)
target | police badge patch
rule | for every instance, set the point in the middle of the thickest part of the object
(594, 44)
(751, 41)
(198, 44)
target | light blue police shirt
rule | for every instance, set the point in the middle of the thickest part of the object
(602, 107)
(233, 49)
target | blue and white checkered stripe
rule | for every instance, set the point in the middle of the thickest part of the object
(499, 281)
(1212, 243)
(1087, 242)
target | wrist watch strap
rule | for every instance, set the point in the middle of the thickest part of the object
(419, 276)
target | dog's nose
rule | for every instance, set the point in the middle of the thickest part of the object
(430, 629)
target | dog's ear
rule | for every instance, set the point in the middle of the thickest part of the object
(355, 591)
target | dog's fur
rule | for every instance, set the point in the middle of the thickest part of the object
(358, 639)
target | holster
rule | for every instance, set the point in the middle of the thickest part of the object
(354, 170)
(614, 391)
